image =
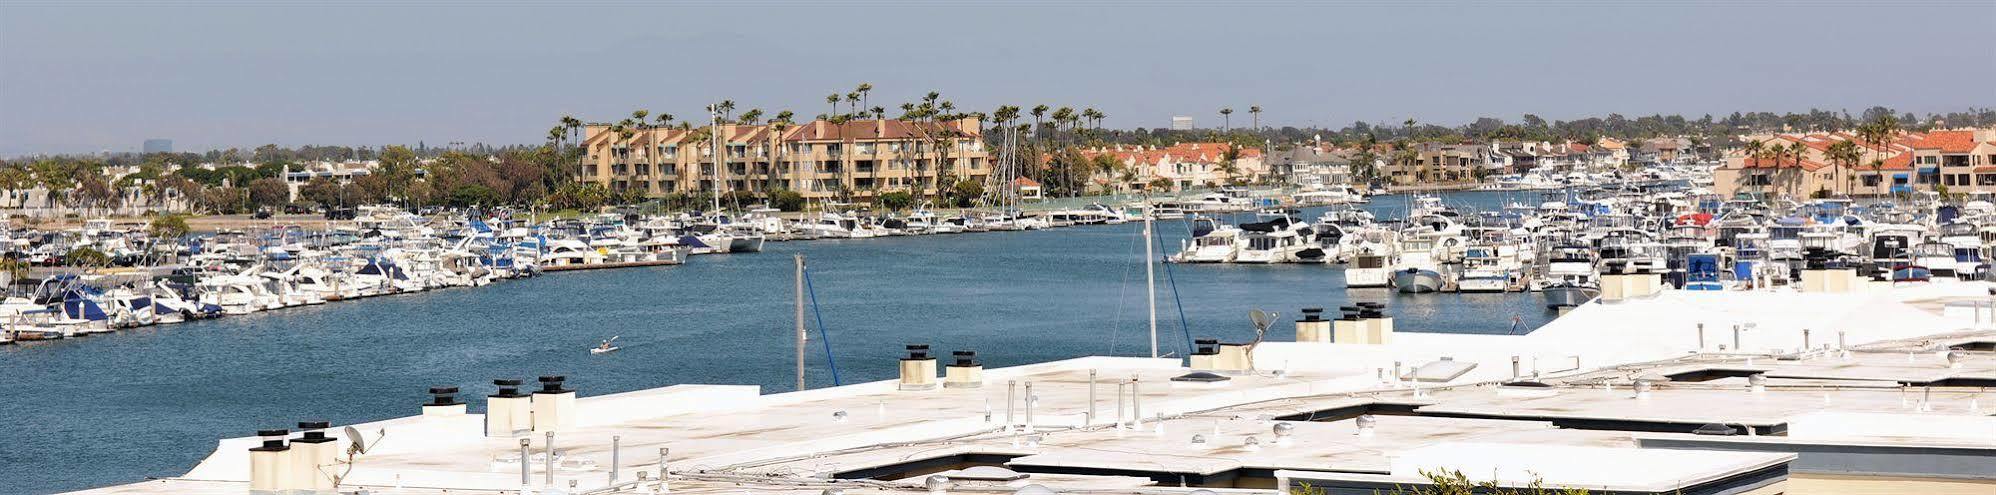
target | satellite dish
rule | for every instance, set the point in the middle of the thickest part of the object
(359, 442)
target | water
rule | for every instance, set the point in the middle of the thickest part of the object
(116, 408)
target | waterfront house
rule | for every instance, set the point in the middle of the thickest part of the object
(1184, 165)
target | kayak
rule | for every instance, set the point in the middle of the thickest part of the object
(601, 350)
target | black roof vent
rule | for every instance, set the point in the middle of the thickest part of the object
(508, 388)
(1715, 429)
(1205, 347)
(917, 352)
(964, 359)
(273, 441)
(1527, 383)
(1200, 377)
(552, 384)
(443, 396)
(1313, 314)
(315, 431)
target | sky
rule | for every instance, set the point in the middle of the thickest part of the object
(104, 76)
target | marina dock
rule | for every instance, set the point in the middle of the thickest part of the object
(1813, 393)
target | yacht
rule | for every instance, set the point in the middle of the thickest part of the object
(1220, 245)
(1571, 277)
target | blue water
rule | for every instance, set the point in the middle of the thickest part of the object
(117, 408)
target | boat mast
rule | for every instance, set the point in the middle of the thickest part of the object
(1150, 279)
(720, 162)
(800, 321)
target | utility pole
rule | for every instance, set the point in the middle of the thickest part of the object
(800, 321)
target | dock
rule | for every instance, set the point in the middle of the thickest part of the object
(608, 265)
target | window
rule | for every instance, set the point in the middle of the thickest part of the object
(1870, 181)
(1985, 179)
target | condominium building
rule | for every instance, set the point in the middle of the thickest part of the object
(1437, 163)
(1958, 161)
(820, 159)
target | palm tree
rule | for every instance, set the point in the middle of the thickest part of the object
(1844, 155)
(1226, 119)
(864, 89)
(1410, 127)
(1405, 155)
(1255, 110)
(1751, 152)
(833, 101)
(1039, 112)
(852, 103)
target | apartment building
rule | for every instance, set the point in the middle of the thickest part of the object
(820, 159)
(1959, 161)
(1436, 163)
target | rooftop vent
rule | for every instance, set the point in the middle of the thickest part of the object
(1201, 377)
(988, 473)
(1439, 371)
(1035, 489)
(1526, 388)
(918, 370)
(508, 413)
(1313, 314)
(554, 405)
(311, 455)
(1715, 429)
(965, 372)
(443, 402)
(270, 463)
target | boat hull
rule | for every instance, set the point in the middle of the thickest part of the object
(1367, 277)
(1417, 281)
(1567, 296)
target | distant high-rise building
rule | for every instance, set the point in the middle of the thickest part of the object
(1181, 123)
(158, 146)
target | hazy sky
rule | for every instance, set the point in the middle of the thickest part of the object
(105, 76)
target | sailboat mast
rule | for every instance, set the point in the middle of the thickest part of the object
(1150, 279)
(720, 162)
(800, 321)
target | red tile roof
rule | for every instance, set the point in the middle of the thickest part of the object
(1181, 152)
(1947, 141)
(1807, 164)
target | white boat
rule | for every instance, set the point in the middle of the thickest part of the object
(1218, 246)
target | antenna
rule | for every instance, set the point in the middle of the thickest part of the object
(359, 442)
(1262, 320)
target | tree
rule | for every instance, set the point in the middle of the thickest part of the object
(787, 200)
(473, 195)
(168, 226)
(1845, 156)
(1226, 119)
(965, 193)
(86, 257)
(897, 200)
(1255, 111)
(269, 193)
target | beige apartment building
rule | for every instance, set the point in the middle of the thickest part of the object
(823, 160)
(1435, 163)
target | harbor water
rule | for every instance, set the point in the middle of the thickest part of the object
(116, 408)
